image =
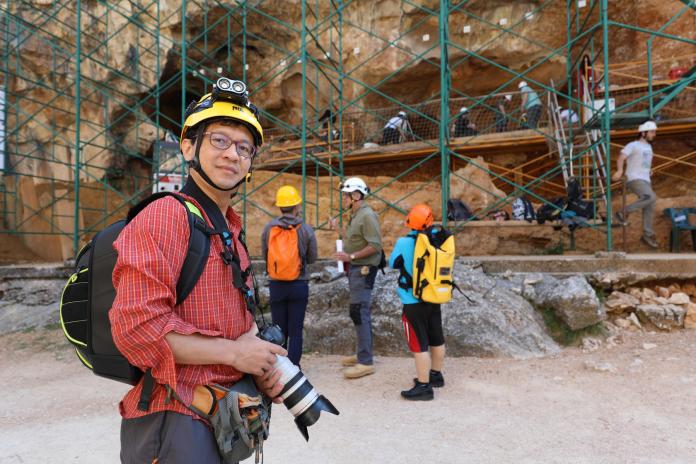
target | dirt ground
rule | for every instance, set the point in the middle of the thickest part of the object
(631, 403)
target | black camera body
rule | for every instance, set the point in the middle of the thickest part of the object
(272, 333)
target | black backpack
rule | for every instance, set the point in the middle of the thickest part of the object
(457, 210)
(552, 211)
(89, 293)
(576, 203)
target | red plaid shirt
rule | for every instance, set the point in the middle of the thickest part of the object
(151, 252)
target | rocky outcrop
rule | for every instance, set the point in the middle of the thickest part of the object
(573, 299)
(29, 303)
(619, 302)
(496, 322)
(664, 317)
(492, 321)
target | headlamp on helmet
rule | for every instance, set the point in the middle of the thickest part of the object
(228, 100)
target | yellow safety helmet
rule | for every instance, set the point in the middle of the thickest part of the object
(287, 196)
(215, 105)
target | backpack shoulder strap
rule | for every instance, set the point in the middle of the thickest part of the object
(405, 280)
(198, 247)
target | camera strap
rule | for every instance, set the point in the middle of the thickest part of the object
(229, 254)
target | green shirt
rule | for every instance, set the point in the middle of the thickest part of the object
(363, 229)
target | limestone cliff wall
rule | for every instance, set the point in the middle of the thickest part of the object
(128, 46)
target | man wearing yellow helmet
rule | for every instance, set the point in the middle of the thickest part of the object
(288, 245)
(208, 338)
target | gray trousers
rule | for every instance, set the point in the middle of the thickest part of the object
(168, 437)
(646, 202)
(360, 288)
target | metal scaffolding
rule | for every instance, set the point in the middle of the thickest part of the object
(91, 120)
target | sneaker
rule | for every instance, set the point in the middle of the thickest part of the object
(620, 219)
(357, 371)
(650, 241)
(420, 392)
(348, 361)
(437, 380)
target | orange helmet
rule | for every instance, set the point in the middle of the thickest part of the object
(420, 217)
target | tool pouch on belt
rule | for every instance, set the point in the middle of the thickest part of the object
(240, 417)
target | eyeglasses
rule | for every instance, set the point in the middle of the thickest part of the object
(222, 142)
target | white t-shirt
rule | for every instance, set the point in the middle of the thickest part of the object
(639, 157)
(397, 122)
(566, 114)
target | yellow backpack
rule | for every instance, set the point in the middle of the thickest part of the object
(433, 263)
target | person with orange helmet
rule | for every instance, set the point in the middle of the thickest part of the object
(422, 321)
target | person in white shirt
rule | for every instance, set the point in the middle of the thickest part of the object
(638, 157)
(395, 128)
(568, 115)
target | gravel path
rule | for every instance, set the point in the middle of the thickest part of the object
(620, 404)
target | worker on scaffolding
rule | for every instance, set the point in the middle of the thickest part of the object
(463, 127)
(396, 130)
(638, 157)
(530, 106)
(501, 117)
(327, 122)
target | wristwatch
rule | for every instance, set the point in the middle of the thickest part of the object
(352, 256)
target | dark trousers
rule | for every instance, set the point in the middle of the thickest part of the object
(288, 307)
(501, 123)
(168, 437)
(390, 136)
(533, 115)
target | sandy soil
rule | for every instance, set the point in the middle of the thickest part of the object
(631, 403)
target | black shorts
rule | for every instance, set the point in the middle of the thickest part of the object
(422, 326)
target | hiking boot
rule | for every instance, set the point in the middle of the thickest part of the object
(620, 219)
(649, 240)
(419, 392)
(357, 371)
(437, 380)
(348, 361)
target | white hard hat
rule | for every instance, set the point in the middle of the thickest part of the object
(508, 97)
(463, 109)
(522, 84)
(647, 126)
(353, 184)
(401, 113)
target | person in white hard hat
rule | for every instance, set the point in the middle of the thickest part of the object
(501, 119)
(396, 129)
(531, 105)
(638, 157)
(463, 127)
(362, 245)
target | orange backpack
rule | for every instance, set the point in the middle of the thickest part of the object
(283, 260)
